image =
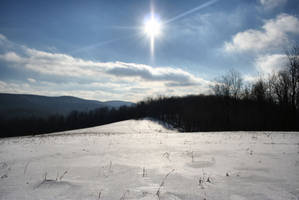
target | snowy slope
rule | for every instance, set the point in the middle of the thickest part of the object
(124, 127)
(133, 165)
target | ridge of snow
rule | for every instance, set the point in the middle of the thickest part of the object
(143, 126)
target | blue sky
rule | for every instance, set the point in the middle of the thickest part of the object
(98, 49)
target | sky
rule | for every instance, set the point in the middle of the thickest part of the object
(99, 49)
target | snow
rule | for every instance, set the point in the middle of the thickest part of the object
(131, 160)
(147, 125)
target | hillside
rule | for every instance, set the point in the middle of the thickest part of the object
(119, 161)
(26, 105)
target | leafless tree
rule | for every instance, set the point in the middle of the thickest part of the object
(293, 69)
(229, 84)
(258, 90)
(284, 85)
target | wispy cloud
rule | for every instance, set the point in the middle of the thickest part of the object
(103, 77)
(2, 37)
(273, 34)
(11, 57)
(65, 65)
(31, 80)
(188, 12)
(270, 4)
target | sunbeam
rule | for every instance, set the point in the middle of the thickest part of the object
(152, 28)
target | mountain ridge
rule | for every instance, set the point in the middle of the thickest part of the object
(30, 105)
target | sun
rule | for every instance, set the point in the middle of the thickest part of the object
(152, 27)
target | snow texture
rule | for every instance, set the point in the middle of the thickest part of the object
(144, 160)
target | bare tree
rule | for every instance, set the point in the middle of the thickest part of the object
(271, 83)
(279, 87)
(284, 85)
(293, 69)
(246, 91)
(258, 90)
(229, 84)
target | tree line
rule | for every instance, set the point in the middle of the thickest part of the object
(269, 103)
(280, 87)
(55, 123)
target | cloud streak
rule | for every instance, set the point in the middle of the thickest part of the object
(270, 4)
(121, 76)
(188, 12)
(65, 65)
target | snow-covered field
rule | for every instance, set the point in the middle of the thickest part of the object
(144, 160)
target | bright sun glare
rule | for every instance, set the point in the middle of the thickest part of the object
(152, 27)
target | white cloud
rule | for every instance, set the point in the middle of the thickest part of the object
(274, 34)
(11, 57)
(2, 37)
(270, 4)
(31, 80)
(250, 78)
(65, 65)
(268, 64)
(97, 80)
(98, 91)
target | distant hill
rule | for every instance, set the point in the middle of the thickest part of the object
(27, 105)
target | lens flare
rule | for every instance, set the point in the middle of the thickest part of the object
(152, 27)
